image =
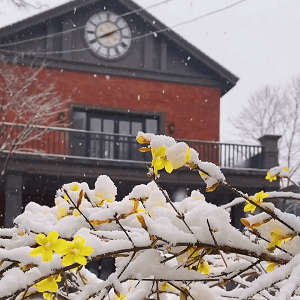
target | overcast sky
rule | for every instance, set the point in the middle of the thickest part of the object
(257, 40)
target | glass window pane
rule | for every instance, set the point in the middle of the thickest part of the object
(108, 126)
(124, 127)
(79, 120)
(151, 126)
(136, 127)
(95, 124)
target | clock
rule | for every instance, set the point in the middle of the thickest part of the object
(108, 35)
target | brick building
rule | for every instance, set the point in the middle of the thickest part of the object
(124, 71)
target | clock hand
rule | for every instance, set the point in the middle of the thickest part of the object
(110, 33)
(107, 34)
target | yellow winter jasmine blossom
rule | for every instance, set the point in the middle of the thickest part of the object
(62, 212)
(101, 198)
(211, 186)
(74, 187)
(271, 266)
(142, 221)
(120, 296)
(278, 237)
(286, 169)
(165, 286)
(271, 178)
(76, 251)
(49, 296)
(76, 213)
(258, 199)
(255, 224)
(136, 208)
(203, 267)
(48, 244)
(180, 158)
(49, 284)
(141, 140)
(160, 160)
(277, 171)
(144, 149)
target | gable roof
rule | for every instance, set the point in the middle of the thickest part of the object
(228, 79)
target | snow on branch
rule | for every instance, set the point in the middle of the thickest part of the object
(162, 249)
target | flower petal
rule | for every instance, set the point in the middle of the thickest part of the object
(86, 250)
(68, 260)
(41, 239)
(52, 237)
(80, 259)
(47, 255)
(62, 247)
(36, 251)
(168, 167)
(79, 241)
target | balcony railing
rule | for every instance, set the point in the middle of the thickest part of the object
(73, 142)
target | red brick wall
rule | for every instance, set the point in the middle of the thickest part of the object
(194, 110)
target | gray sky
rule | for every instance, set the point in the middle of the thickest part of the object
(257, 40)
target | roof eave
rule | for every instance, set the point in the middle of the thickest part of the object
(229, 79)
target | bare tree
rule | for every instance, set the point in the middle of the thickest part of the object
(27, 99)
(274, 110)
(23, 3)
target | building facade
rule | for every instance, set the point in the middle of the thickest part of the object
(122, 71)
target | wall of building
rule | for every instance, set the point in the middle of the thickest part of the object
(194, 110)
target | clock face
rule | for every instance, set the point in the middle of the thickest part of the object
(108, 35)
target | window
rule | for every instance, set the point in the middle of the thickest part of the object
(110, 134)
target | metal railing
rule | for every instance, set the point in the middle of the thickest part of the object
(82, 143)
(227, 155)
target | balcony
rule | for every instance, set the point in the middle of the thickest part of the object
(67, 142)
(52, 156)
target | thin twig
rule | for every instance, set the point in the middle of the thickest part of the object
(127, 265)
(179, 215)
(216, 243)
(79, 210)
(120, 225)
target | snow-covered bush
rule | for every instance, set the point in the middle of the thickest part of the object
(162, 250)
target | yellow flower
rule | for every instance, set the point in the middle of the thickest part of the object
(203, 267)
(211, 184)
(136, 205)
(144, 149)
(160, 161)
(49, 296)
(277, 171)
(255, 224)
(76, 251)
(74, 187)
(120, 296)
(271, 266)
(141, 140)
(278, 238)
(271, 178)
(76, 213)
(165, 286)
(48, 244)
(62, 212)
(258, 199)
(49, 284)
(101, 197)
(142, 221)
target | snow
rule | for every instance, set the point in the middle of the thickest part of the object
(155, 243)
